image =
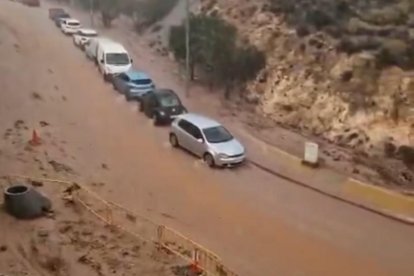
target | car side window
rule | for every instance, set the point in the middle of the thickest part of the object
(195, 132)
(190, 129)
(184, 125)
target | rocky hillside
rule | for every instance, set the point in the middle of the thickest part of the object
(336, 69)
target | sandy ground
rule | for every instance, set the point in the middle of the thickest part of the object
(72, 241)
(258, 224)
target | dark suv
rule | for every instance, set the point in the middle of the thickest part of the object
(162, 105)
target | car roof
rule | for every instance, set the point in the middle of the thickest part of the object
(136, 75)
(72, 20)
(200, 120)
(111, 46)
(87, 31)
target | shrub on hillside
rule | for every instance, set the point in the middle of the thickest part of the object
(356, 44)
(390, 15)
(393, 52)
(406, 153)
(319, 18)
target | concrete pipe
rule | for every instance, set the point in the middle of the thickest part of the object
(24, 202)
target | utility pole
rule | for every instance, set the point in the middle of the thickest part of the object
(187, 48)
(91, 8)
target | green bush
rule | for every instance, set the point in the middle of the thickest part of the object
(393, 52)
(214, 49)
(406, 153)
(355, 44)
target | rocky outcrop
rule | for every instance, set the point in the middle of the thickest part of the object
(312, 85)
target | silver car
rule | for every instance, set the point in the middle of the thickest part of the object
(206, 138)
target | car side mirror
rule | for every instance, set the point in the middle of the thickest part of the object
(200, 140)
(102, 61)
(132, 60)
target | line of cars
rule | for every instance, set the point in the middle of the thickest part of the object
(198, 134)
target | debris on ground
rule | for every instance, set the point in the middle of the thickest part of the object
(3, 248)
(44, 124)
(36, 183)
(37, 96)
(104, 166)
(18, 124)
(60, 167)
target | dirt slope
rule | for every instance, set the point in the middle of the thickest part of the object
(338, 70)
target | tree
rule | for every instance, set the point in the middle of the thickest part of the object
(152, 11)
(213, 48)
(110, 10)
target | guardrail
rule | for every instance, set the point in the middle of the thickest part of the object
(200, 260)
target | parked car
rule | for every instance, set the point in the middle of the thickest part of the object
(70, 25)
(112, 58)
(207, 139)
(91, 47)
(162, 105)
(82, 36)
(59, 17)
(133, 84)
(54, 12)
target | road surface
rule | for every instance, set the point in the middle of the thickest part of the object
(258, 224)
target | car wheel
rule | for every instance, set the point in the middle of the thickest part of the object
(209, 160)
(105, 77)
(128, 96)
(156, 119)
(174, 140)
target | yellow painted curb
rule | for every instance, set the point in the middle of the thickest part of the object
(385, 200)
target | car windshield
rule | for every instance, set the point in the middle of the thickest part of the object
(73, 24)
(142, 81)
(117, 59)
(217, 134)
(169, 100)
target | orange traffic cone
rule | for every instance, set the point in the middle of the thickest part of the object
(194, 266)
(35, 141)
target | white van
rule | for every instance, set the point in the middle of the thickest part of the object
(91, 47)
(112, 58)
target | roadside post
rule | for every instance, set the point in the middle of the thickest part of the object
(311, 155)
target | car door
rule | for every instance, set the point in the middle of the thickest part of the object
(189, 136)
(183, 134)
(148, 105)
(153, 104)
(196, 141)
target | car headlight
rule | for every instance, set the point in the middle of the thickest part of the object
(222, 155)
(162, 113)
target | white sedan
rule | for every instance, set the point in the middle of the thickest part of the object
(82, 37)
(70, 26)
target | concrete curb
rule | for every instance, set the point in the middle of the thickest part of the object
(384, 212)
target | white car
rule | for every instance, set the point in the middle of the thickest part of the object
(82, 37)
(70, 26)
(112, 58)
